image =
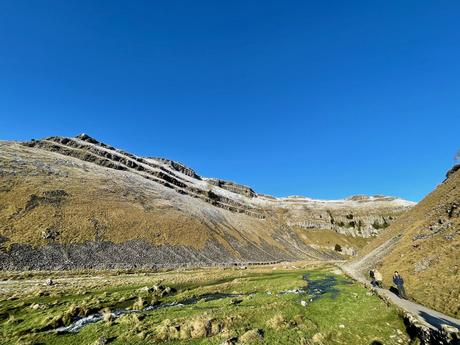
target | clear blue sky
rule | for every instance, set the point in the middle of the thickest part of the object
(324, 99)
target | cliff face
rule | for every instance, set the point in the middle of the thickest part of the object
(77, 202)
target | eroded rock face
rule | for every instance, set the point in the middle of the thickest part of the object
(363, 224)
(169, 173)
(232, 187)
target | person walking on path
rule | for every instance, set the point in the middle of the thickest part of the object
(378, 278)
(371, 274)
(399, 282)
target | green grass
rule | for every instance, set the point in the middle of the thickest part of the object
(353, 316)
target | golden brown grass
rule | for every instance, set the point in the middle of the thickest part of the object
(430, 265)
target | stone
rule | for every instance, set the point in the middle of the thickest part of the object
(422, 264)
(251, 336)
(303, 303)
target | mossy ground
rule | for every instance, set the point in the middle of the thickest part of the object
(29, 310)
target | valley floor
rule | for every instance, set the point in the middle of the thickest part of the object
(278, 304)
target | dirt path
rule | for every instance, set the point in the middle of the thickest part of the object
(426, 316)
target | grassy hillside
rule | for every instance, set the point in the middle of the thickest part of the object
(424, 246)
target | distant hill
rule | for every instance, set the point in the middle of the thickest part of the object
(424, 246)
(79, 203)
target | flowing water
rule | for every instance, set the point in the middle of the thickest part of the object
(83, 321)
(316, 287)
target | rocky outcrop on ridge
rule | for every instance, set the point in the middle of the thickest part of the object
(232, 187)
(162, 171)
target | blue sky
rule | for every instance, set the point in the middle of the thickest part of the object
(323, 99)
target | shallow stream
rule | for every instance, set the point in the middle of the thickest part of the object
(316, 287)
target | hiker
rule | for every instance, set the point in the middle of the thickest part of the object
(372, 275)
(378, 278)
(399, 282)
